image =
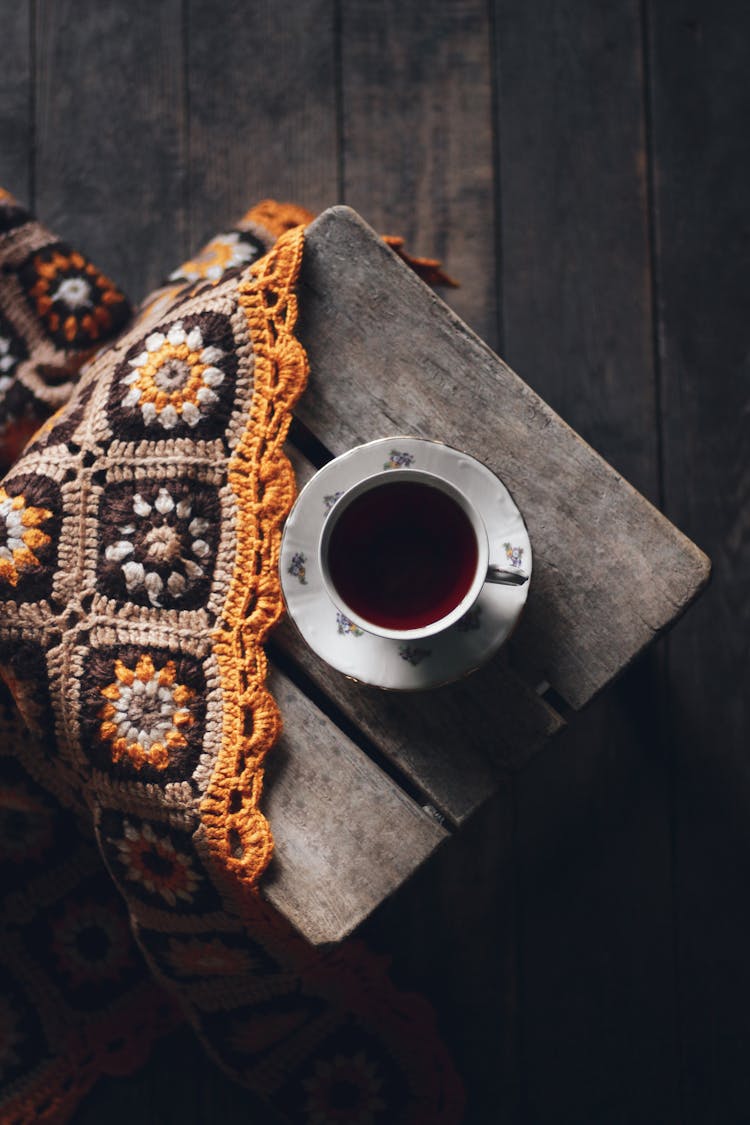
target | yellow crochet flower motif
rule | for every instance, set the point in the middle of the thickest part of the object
(20, 537)
(146, 713)
(219, 255)
(174, 378)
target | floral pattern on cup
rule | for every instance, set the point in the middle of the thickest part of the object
(413, 655)
(297, 568)
(329, 501)
(514, 555)
(346, 627)
(399, 460)
(471, 620)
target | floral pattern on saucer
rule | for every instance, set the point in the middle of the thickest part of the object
(402, 665)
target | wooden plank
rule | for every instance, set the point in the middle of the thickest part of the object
(593, 843)
(345, 836)
(700, 103)
(574, 233)
(451, 934)
(110, 134)
(388, 356)
(269, 129)
(15, 102)
(451, 743)
(418, 147)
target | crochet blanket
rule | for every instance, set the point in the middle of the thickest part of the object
(139, 534)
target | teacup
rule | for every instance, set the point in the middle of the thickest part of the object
(404, 555)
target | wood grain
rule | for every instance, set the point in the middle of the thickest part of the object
(452, 743)
(16, 101)
(451, 932)
(700, 105)
(593, 815)
(575, 280)
(262, 108)
(345, 836)
(387, 356)
(110, 134)
(417, 138)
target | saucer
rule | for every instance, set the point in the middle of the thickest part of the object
(393, 664)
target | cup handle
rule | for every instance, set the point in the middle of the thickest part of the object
(502, 577)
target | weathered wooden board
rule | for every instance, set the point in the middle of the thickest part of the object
(110, 134)
(262, 109)
(700, 107)
(450, 743)
(417, 146)
(592, 823)
(16, 79)
(387, 356)
(345, 835)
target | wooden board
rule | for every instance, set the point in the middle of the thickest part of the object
(594, 852)
(450, 744)
(416, 105)
(699, 108)
(388, 357)
(110, 135)
(262, 109)
(345, 836)
(16, 100)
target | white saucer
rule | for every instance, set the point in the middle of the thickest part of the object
(385, 663)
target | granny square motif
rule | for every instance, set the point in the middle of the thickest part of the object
(139, 540)
(56, 309)
(138, 545)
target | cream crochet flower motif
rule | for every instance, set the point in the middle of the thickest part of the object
(146, 713)
(163, 548)
(174, 378)
(20, 536)
(154, 862)
(8, 362)
(221, 254)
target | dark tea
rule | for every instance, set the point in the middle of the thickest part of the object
(403, 555)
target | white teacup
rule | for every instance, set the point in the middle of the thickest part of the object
(404, 555)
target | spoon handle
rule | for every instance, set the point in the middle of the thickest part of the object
(501, 577)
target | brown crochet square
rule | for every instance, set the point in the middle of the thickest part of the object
(56, 309)
(139, 539)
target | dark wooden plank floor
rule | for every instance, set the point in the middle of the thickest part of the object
(584, 170)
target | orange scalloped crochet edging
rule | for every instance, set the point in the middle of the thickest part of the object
(262, 480)
(277, 218)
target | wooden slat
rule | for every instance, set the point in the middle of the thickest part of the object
(451, 932)
(417, 136)
(345, 836)
(592, 816)
(110, 134)
(450, 743)
(700, 102)
(387, 356)
(16, 101)
(269, 127)
(575, 253)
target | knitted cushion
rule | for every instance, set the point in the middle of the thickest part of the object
(138, 553)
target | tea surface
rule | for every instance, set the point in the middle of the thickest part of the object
(403, 555)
